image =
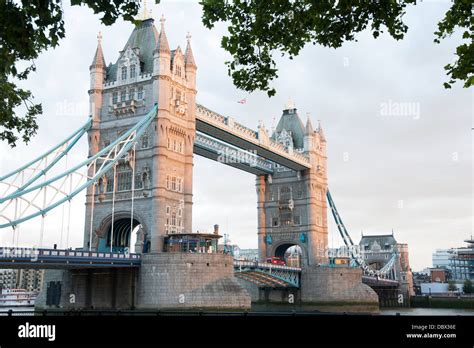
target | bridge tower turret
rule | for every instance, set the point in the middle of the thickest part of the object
(147, 72)
(97, 78)
(292, 204)
(174, 88)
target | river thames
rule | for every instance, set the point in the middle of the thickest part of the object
(383, 311)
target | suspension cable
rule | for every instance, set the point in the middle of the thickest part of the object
(113, 207)
(92, 211)
(133, 163)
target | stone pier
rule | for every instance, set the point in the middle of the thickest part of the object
(164, 281)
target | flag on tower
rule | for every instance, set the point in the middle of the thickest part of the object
(242, 101)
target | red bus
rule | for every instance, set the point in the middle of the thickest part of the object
(276, 261)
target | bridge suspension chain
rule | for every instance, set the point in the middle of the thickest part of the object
(35, 195)
(41, 165)
(356, 257)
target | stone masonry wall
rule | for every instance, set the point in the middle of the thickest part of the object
(185, 281)
(337, 285)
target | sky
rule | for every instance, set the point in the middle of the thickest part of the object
(399, 145)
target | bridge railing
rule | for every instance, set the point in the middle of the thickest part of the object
(11, 253)
(250, 134)
(264, 265)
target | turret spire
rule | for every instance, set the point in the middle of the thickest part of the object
(189, 58)
(320, 131)
(162, 46)
(98, 60)
(309, 125)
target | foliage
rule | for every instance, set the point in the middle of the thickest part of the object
(259, 29)
(460, 15)
(452, 285)
(28, 28)
(467, 287)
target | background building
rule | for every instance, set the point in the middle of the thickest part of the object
(377, 250)
(8, 278)
(462, 261)
(28, 279)
(441, 258)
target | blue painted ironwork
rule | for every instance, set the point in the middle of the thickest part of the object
(77, 133)
(290, 275)
(32, 258)
(108, 156)
(351, 246)
(70, 141)
(230, 154)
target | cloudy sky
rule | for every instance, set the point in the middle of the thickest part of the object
(407, 171)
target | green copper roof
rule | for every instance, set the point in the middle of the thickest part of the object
(290, 121)
(145, 37)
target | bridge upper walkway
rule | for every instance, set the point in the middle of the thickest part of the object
(231, 132)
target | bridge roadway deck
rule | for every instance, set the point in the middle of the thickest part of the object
(30, 258)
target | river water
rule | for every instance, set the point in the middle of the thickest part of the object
(383, 311)
(426, 311)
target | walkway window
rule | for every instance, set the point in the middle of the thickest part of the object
(124, 73)
(132, 71)
(115, 98)
(140, 93)
(123, 95)
(131, 94)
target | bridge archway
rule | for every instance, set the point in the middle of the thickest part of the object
(283, 248)
(127, 233)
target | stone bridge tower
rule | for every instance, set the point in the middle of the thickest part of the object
(292, 208)
(146, 72)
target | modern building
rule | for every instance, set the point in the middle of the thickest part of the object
(462, 261)
(441, 258)
(8, 278)
(458, 262)
(28, 279)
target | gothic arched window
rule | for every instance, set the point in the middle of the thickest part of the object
(140, 93)
(124, 178)
(124, 73)
(132, 71)
(145, 140)
(285, 193)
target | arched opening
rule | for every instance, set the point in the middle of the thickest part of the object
(291, 254)
(124, 235)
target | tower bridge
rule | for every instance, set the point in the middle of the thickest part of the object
(144, 131)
